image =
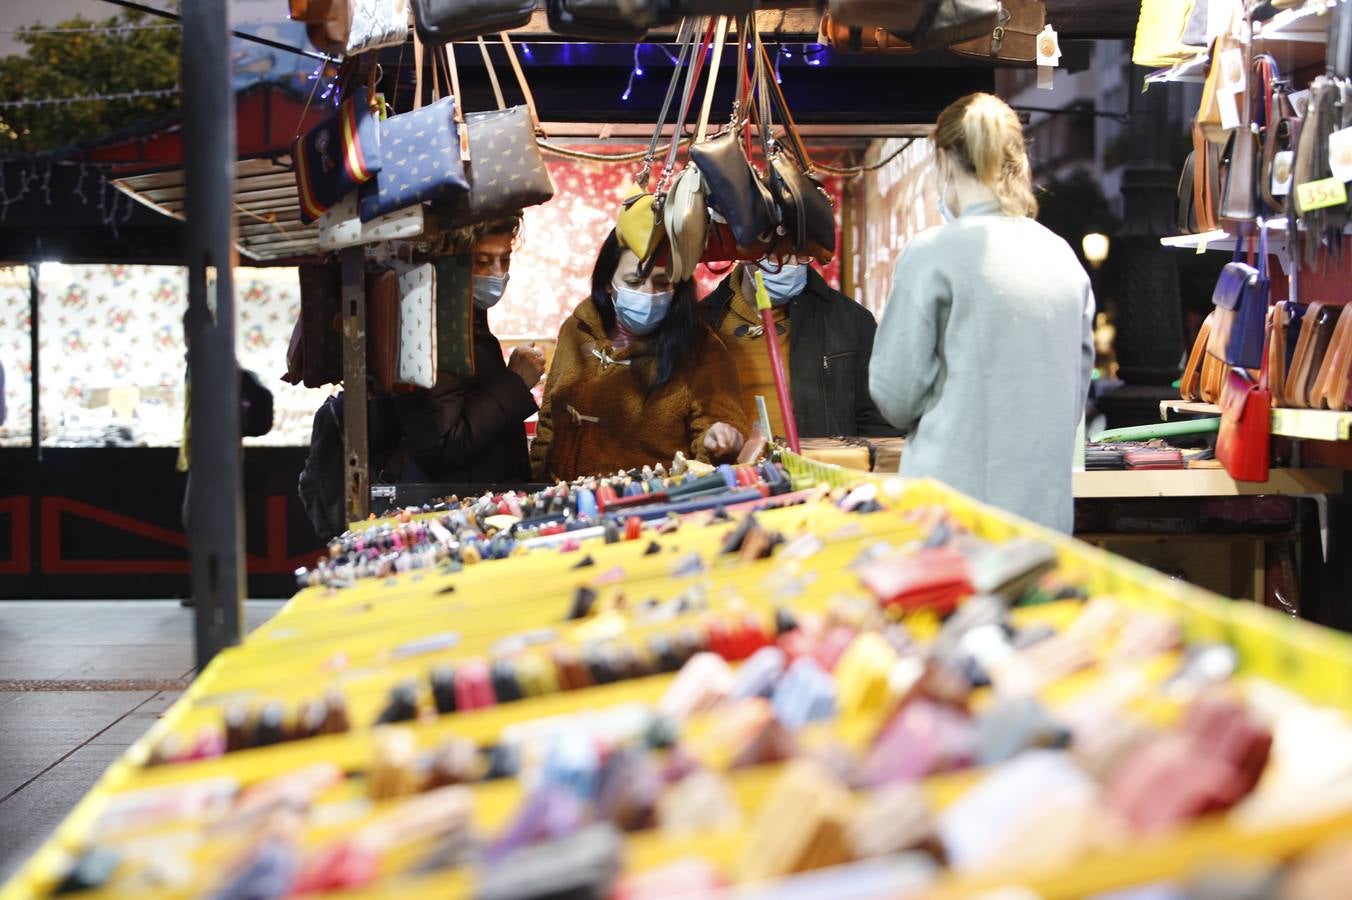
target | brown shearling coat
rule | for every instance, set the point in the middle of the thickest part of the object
(597, 418)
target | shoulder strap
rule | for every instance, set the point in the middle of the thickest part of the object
(716, 63)
(521, 80)
(691, 83)
(686, 38)
(417, 70)
(492, 73)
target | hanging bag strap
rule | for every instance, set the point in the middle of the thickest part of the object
(448, 58)
(686, 38)
(720, 37)
(691, 84)
(791, 133)
(492, 73)
(417, 70)
(524, 84)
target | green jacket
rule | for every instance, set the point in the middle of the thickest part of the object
(830, 343)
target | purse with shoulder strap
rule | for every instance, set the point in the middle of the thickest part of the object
(1190, 385)
(1014, 37)
(443, 21)
(924, 24)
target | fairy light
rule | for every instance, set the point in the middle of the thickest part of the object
(635, 72)
(526, 52)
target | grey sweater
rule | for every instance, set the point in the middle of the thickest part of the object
(983, 358)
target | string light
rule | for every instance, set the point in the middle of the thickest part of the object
(635, 72)
(525, 51)
(92, 98)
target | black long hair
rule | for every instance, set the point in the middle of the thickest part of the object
(679, 332)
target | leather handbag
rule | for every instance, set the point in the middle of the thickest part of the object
(337, 156)
(735, 189)
(1206, 183)
(422, 157)
(321, 291)
(443, 21)
(1014, 37)
(684, 210)
(1213, 379)
(807, 214)
(1244, 443)
(1159, 33)
(455, 315)
(309, 10)
(1298, 372)
(1239, 194)
(856, 39)
(924, 24)
(329, 33)
(1240, 301)
(598, 20)
(382, 326)
(1330, 389)
(1325, 324)
(1277, 122)
(417, 324)
(376, 24)
(1189, 386)
(506, 170)
(1185, 211)
(1275, 353)
(342, 226)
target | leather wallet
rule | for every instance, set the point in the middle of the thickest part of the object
(936, 579)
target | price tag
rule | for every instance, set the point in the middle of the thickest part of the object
(1232, 71)
(1321, 194)
(1340, 154)
(1229, 108)
(1282, 163)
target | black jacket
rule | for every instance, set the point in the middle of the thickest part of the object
(463, 430)
(830, 343)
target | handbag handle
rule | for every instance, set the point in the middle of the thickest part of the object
(417, 70)
(686, 39)
(521, 80)
(492, 73)
(692, 76)
(720, 37)
(790, 126)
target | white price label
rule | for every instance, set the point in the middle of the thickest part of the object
(1340, 154)
(1282, 163)
(1229, 106)
(1232, 78)
(1048, 47)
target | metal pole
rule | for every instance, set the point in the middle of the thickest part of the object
(35, 425)
(356, 481)
(215, 513)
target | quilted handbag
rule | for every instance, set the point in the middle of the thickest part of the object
(924, 24)
(442, 21)
(376, 24)
(342, 227)
(1242, 445)
(417, 324)
(455, 315)
(382, 326)
(338, 155)
(506, 171)
(421, 161)
(1240, 300)
(321, 291)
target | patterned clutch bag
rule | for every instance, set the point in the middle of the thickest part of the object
(417, 324)
(421, 161)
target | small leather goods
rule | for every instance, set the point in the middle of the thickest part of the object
(421, 161)
(337, 155)
(1010, 569)
(1153, 458)
(856, 39)
(506, 170)
(417, 327)
(1242, 445)
(382, 326)
(442, 21)
(455, 315)
(925, 24)
(376, 24)
(1014, 37)
(341, 225)
(935, 579)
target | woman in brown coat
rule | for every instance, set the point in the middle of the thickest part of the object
(635, 378)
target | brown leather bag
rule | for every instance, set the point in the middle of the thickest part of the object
(1014, 38)
(310, 11)
(875, 39)
(1298, 378)
(1189, 387)
(1330, 390)
(1206, 182)
(330, 34)
(382, 326)
(1275, 348)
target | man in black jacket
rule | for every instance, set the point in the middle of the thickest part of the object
(827, 340)
(468, 430)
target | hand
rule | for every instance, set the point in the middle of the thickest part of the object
(528, 363)
(722, 440)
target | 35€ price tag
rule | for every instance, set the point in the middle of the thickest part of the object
(1321, 194)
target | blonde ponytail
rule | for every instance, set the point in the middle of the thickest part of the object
(983, 134)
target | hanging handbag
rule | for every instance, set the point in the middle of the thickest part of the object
(329, 33)
(1239, 195)
(342, 226)
(1240, 301)
(443, 21)
(1298, 371)
(1014, 37)
(417, 324)
(924, 24)
(376, 24)
(807, 214)
(735, 189)
(507, 172)
(1159, 33)
(1330, 389)
(382, 326)
(422, 156)
(854, 39)
(337, 156)
(321, 292)
(599, 20)
(1185, 212)
(455, 315)
(1206, 183)
(1243, 444)
(309, 11)
(1189, 386)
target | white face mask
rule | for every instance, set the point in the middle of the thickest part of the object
(641, 313)
(488, 290)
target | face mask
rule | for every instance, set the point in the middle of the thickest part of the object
(786, 283)
(488, 290)
(640, 313)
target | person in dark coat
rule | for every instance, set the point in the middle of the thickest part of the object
(824, 337)
(469, 430)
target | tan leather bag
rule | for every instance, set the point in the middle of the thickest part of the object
(1190, 386)
(382, 326)
(1330, 390)
(1014, 38)
(1275, 348)
(310, 10)
(1299, 374)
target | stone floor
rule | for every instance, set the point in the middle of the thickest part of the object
(80, 681)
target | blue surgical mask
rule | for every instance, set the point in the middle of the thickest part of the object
(784, 283)
(641, 313)
(488, 290)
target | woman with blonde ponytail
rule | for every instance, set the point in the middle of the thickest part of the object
(984, 351)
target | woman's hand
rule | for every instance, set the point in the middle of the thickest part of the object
(528, 363)
(722, 440)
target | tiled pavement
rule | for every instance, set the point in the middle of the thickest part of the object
(79, 683)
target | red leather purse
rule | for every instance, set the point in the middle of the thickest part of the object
(1246, 425)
